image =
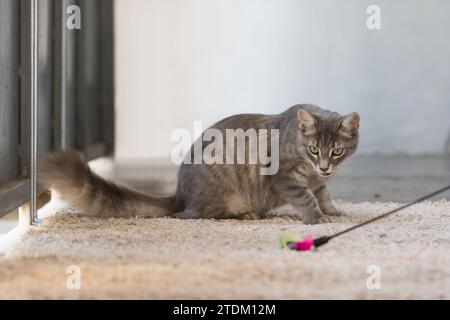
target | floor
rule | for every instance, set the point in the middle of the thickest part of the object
(403, 256)
(395, 178)
(8, 222)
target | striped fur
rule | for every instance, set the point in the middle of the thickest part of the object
(226, 190)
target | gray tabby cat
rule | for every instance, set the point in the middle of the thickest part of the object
(313, 144)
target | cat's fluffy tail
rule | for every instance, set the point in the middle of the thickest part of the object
(68, 174)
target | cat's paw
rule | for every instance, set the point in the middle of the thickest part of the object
(334, 212)
(248, 216)
(187, 214)
(317, 220)
(323, 219)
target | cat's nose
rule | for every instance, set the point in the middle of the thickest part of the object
(324, 169)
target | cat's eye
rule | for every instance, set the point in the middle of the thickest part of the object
(337, 151)
(314, 150)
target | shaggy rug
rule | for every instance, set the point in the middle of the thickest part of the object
(406, 255)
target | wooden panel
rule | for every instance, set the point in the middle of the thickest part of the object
(72, 43)
(89, 78)
(45, 75)
(88, 109)
(88, 87)
(25, 86)
(13, 194)
(9, 90)
(66, 77)
(106, 71)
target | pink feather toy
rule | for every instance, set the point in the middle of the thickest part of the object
(308, 243)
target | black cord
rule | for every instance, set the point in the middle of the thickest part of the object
(322, 240)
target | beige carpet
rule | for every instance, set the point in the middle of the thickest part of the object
(184, 259)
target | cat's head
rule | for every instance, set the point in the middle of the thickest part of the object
(328, 139)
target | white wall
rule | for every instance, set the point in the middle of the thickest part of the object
(183, 60)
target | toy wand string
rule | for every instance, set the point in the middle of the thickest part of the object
(309, 243)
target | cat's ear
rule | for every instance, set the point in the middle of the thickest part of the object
(306, 122)
(349, 125)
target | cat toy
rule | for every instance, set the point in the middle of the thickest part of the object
(308, 243)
